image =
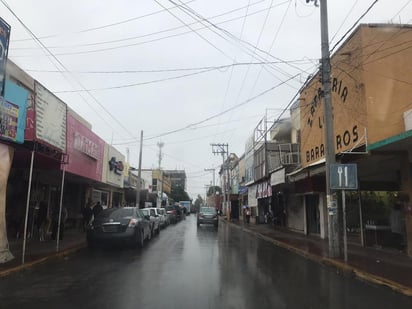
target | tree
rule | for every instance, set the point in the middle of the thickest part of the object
(216, 189)
(179, 194)
(6, 155)
(199, 202)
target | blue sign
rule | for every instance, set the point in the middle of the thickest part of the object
(343, 176)
(13, 108)
(4, 48)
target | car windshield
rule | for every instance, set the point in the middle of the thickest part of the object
(209, 210)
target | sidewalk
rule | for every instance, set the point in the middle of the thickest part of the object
(384, 267)
(38, 252)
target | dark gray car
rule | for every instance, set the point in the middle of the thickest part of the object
(112, 225)
(207, 215)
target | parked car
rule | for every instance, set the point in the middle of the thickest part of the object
(164, 218)
(207, 215)
(126, 224)
(154, 220)
(174, 213)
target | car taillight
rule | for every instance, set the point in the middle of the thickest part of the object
(132, 222)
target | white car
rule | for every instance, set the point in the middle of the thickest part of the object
(164, 218)
(154, 219)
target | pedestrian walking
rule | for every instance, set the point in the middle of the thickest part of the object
(247, 214)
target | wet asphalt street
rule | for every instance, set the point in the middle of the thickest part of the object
(190, 267)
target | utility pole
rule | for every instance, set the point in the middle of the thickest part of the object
(139, 174)
(214, 187)
(223, 149)
(160, 145)
(334, 231)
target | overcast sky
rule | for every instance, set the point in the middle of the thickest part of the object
(187, 72)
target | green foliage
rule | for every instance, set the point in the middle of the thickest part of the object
(199, 201)
(179, 194)
(216, 189)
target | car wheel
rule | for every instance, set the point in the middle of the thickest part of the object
(198, 224)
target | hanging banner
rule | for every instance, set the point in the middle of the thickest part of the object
(4, 48)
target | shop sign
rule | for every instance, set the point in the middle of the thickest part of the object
(277, 177)
(50, 118)
(86, 146)
(13, 113)
(116, 166)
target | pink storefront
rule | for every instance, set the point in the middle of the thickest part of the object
(85, 151)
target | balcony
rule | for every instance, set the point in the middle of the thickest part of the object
(278, 155)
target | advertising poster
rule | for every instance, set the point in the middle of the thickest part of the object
(13, 113)
(4, 47)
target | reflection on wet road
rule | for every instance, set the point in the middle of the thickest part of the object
(191, 267)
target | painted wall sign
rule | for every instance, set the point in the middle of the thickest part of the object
(50, 118)
(349, 117)
(116, 166)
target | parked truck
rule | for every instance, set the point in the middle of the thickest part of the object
(186, 205)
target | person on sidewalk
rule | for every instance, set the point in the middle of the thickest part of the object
(97, 209)
(41, 220)
(87, 214)
(247, 214)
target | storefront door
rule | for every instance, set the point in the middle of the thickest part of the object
(312, 214)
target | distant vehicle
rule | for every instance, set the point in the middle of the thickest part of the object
(186, 205)
(154, 220)
(126, 224)
(207, 215)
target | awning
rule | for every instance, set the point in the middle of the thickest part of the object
(315, 168)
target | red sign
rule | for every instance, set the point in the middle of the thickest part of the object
(85, 150)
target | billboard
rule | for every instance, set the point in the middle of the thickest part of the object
(50, 118)
(4, 48)
(13, 113)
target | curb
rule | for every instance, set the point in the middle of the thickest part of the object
(54, 255)
(343, 267)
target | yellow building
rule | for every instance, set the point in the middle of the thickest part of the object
(371, 83)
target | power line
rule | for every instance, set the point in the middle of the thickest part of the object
(62, 65)
(103, 26)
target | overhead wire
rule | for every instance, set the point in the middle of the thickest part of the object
(64, 67)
